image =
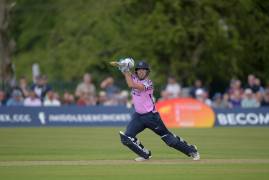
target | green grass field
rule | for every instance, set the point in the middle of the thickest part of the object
(96, 153)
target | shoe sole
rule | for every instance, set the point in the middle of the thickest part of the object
(141, 159)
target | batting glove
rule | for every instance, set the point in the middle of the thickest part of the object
(124, 69)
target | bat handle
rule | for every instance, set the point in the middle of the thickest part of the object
(115, 63)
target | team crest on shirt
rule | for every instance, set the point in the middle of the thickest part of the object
(148, 84)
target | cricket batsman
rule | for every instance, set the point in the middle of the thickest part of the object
(146, 115)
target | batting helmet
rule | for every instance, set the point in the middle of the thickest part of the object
(142, 65)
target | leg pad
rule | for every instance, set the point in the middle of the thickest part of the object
(178, 143)
(135, 145)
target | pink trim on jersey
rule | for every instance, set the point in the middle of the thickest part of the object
(142, 100)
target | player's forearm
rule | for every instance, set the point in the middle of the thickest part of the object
(129, 79)
(131, 83)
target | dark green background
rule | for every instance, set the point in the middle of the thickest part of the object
(207, 39)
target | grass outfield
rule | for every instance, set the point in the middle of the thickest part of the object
(96, 153)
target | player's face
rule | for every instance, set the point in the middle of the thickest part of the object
(142, 73)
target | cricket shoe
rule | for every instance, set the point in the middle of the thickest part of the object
(195, 155)
(140, 159)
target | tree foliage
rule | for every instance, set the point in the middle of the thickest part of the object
(207, 39)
